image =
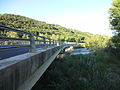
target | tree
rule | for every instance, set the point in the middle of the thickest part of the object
(115, 25)
(11, 34)
(115, 15)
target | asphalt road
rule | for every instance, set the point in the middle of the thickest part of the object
(7, 51)
(10, 52)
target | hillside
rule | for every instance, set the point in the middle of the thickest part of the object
(42, 28)
(51, 31)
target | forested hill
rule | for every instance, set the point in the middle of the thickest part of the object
(44, 29)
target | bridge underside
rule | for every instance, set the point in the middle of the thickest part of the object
(23, 71)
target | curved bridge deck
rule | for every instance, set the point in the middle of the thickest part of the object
(23, 71)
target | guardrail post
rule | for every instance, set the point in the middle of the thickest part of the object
(49, 42)
(44, 41)
(58, 43)
(53, 42)
(32, 43)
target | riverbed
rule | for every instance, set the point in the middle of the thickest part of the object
(80, 51)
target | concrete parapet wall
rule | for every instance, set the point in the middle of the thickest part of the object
(15, 71)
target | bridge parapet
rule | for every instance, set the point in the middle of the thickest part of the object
(22, 72)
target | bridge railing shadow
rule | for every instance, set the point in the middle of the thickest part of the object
(31, 40)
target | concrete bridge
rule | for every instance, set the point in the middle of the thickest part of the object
(22, 71)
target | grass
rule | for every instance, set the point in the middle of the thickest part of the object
(95, 71)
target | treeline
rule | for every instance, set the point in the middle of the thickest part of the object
(51, 31)
(114, 11)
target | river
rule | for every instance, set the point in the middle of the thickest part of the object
(80, 51)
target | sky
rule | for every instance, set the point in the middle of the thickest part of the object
(84, 15)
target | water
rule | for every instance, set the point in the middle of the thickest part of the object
(80, 51)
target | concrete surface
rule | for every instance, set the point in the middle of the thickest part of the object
(22, 72)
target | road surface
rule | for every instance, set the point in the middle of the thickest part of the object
(10, 52)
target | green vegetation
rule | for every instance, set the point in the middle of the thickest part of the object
(42, 28)
(114, 11)
(99, 70)
(95, 71)
(52, 31)
(97, 42)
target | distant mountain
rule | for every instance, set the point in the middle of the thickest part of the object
(43, 29)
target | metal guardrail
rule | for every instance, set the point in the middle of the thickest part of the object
(22, 42)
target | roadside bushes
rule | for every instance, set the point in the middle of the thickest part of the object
(84, 72)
